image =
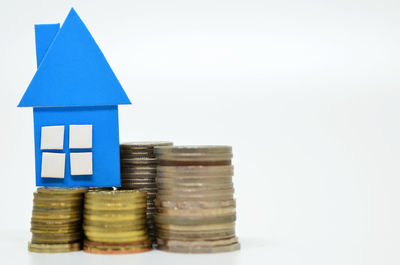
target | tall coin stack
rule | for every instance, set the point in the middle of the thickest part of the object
(138, 172)
(115, 222)
(56, 223)
(196, 211)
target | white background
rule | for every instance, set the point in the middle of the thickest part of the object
(306, 92)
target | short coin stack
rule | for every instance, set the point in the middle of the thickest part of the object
(138, 172)
(196, 211)
(56, 223)
(115, 222)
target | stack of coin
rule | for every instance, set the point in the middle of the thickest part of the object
(196, 211)
(138, 172)
(115, 222)
(56, 223)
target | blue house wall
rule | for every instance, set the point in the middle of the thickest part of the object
(105, 144)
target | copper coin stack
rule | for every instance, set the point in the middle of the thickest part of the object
(196, 210)
(139, 171)
(56, 223)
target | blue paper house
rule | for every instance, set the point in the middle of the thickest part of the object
(75, 97)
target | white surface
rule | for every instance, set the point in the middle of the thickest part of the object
(53, 165)
(52, 137)
(13, 247)
(306, 92)
(80, 136)
(81, 163)
(254, 250)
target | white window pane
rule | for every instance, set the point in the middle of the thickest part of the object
(80, 136)
(81, 163)
(53, 165)
(52, 138)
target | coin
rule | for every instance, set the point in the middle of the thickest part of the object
(56, 237)
(107, 217)
(56, 219)
(56, 223)
(51, 230)
(192, 155)
(115, 237)
(110, 195)
(139, 161)
(202, 227)
(144, 154)
(197, 243)
(194, 235)
(116, 205)
(150, 176)
(116, 248)
(193, 149)
(214, 249)
(115, 224)
(139, 171)
(193, 220)
(54, 248)
(140, 185)
(62, 190)
(112, 229)
(195, 197)
(196, 210)
(148, 169)
(193, 181)
(194, 204)
(195, 171)
(47, 197)
(58, 216)
(144, 144)
(198, 188)
(57, 205)
(117, 216)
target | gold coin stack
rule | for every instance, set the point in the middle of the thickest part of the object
(196, 211)
(115, 222)
(56, 223)
(139, 171)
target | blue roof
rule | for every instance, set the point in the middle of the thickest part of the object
(73, 71)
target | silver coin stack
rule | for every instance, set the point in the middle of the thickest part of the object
(139, 171)
(196, 210)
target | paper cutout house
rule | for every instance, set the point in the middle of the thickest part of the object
(75, 97)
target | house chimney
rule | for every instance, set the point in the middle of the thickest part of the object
(44, 36)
